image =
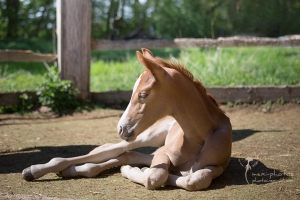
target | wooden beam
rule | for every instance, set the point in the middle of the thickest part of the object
(25, 56)
(131, 44)
(247, 94)
(250, 94)
(236, 41)
(12, 98)
(74, 42)
(113, 97)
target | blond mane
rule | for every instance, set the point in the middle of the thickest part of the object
(183, 70)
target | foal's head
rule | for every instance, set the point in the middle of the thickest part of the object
(156, 93)
(148, 100)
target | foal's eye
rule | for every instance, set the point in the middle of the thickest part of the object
(142, 95)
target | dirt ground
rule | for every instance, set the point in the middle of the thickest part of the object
(265, 161)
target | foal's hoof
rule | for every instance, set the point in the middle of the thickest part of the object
(145, 169)
(27, 175)
(124, 170)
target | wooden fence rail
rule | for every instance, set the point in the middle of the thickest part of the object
(223, 95)
(25, 56)
(237, 41)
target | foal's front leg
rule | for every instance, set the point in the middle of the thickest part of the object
(99, 154)
(90, 170)
(154, 136)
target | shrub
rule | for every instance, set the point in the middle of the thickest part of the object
(57, 94)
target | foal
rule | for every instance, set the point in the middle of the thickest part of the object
(168, 107)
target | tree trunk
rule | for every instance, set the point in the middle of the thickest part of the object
(108, 22)
(11, 12)
(41, 20)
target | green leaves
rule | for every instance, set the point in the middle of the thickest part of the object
(57, 94)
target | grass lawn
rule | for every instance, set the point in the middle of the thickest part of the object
(118, 70)
(20, 76)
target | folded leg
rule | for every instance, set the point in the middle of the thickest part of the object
(197, 180)
(152, 178)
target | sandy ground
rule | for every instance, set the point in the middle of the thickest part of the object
(265, 161)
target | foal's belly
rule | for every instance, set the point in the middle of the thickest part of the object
(181, 162)
(183, 169)
(182, 153)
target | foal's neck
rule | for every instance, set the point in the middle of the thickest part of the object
(198, 115)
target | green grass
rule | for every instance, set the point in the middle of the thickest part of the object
(244, 66)
(118, 70)
(107, 76)
(215, 67)
(21, 76)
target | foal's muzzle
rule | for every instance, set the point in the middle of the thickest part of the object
(126, 134)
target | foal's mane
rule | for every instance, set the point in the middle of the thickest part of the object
(183, 70)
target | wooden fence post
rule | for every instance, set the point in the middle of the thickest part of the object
(74, 43)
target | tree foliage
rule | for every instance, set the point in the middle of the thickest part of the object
(125, 19)
(26, 18)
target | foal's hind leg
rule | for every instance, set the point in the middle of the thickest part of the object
(153, 136)
(198, 180)
(152, 177)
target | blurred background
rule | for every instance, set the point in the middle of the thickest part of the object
(126, 19)
(31, 25)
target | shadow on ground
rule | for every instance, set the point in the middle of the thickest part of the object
(238, 135)
(243, 171)
(240, 171)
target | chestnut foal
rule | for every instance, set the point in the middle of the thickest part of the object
(168, 108)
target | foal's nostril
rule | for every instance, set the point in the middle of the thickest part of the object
(120, 130)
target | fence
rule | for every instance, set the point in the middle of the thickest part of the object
(75, 45)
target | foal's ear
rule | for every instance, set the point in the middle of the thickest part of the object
(147, 53)
(155, 69)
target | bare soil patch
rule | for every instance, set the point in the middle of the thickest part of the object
(265, 159)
